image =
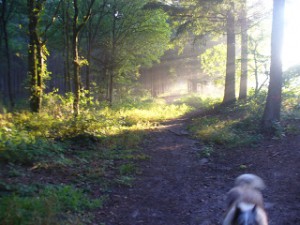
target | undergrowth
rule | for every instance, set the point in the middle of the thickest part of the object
(239, 124)
(98, 148)
(52, 205)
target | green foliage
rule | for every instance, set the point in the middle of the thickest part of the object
(23, 138)
(53, 205)
(291, 78)
(217, 132)
(207, 150)
(213, 61)
(239, 125)
(28, 138)
(198, 102)
(234, 126)
(127, 169)
(98, 147)
(71, 199)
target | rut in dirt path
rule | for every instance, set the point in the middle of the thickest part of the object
(175, 186)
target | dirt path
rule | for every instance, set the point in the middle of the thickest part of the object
(177, 187)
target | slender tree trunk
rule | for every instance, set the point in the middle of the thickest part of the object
(76, 66)
(113, 59)
(244, 53)
(273, 104)
(67, 75)
(255, 68)
(229, 93)
(7, 53)
(76, 61)
(35, 66)
(89, 49)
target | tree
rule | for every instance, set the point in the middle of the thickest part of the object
(244, 51)
(37, 51)
(272, 109)
(213, 62)
(35, 54)
(66, 49)
(131, 37)
(229, 92)
(210, 20)
(6, 12)
(77, 62)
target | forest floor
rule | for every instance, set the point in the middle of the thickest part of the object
(179, 186)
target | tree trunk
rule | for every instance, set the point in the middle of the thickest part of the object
(35, 56)
(244, 53)
(112, 58)
(88, 70)
(229, 93)
(76, 66)
(273, 104)
(67, 75)
(4, 17)
(76, 61)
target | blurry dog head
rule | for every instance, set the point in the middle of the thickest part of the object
(245, 202)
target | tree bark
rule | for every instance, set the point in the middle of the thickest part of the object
(67, 75)
(76, 66)
(273, 104)
(244, 53)
(76, 61)
(89, 50)
(229, 93)
(35, 56)
(4, 21)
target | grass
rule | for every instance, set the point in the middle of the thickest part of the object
(50, 206)
(99, 148)
(238, 125)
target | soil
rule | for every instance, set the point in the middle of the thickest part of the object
(178, 185)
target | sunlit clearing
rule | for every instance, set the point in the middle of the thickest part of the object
(180, 88)
(291, 47)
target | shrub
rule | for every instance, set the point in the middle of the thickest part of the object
(53, 205)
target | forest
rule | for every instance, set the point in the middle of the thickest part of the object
(93, 93)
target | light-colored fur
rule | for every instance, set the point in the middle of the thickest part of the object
(245, 196)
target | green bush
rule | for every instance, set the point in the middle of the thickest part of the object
(52, 205)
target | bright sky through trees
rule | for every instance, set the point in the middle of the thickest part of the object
(291, 48)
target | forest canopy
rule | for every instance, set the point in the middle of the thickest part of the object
(109, 50)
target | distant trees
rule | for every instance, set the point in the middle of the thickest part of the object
(210, 22)
(105, 42)
(100, 45)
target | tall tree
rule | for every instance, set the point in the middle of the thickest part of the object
(37, 51)
(244, 51)
(77, 62)
(132, 36)
(273, 105)
(6, 11)
(35, 54)
(66, 50)
(229, 93)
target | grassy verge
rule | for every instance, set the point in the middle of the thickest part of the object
(238, 125)
(55, 169)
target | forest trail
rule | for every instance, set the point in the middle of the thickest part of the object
(178, 186)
